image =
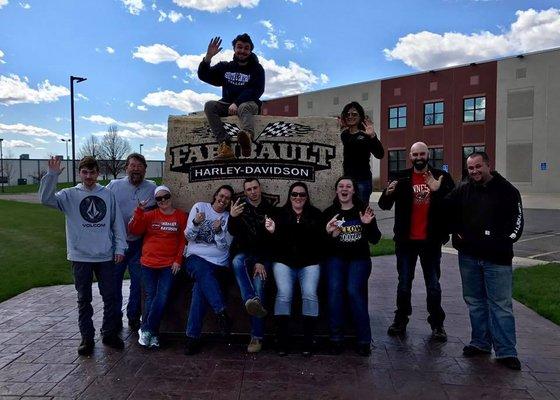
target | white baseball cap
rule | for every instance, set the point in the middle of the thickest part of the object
(160, 188)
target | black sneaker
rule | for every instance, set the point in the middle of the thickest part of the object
(439, 334)
(113, 341)
(510, 362)
(363, 349)
(336, 347)
(397, 328)
(86, 347)
(192, 346)
(225, 323)
(471, 351)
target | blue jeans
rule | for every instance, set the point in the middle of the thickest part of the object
(243, 265)
(365, 188)
(157, 284)
(487, 290)
(132, 261)
(106, 280)
(430, 257)
(206, 291)
(285, 278)
(348, 277)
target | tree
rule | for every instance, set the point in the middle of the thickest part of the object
(112, 151)
(89, 148)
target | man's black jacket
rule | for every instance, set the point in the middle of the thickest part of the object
(402, 197)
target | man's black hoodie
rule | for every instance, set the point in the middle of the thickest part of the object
(486, 219)
(240, 83)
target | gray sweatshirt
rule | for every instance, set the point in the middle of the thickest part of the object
(128, 196)
(95, 230)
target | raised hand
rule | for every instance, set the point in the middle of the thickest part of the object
(367, 216)
(340, 122)
(54, 165)
(391, 188)
(334, 226)
(433, 183)
(269, 224)
(217, 225)
(232, 109)
(199, 217)
(369, 129)
(259, 271)
(237, 208)
(213, 48)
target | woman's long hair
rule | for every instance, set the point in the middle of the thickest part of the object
(356, 201)
(229, 189)
(288, 204)
(360, 111)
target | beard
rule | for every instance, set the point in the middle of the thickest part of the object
(419, 165)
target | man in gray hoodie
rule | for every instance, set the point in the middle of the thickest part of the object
(95, 240)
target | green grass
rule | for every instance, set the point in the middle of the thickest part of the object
(33, 248)
(538, 288)
(34, 188)
(383, 248)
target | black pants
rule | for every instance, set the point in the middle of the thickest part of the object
(106, 275)
(430, 257)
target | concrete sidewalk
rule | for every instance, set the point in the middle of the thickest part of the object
(39, 336)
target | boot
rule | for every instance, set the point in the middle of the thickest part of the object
(245, 138)
(308, 331)
(224, 152)
(282, 334)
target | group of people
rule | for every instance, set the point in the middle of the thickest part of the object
(132, 224)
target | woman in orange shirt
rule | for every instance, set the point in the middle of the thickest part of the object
(162, 256)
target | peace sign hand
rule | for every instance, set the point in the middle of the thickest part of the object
(369, 129)
(237, 208)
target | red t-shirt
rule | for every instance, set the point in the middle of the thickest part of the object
(420, 207)
(164, 236)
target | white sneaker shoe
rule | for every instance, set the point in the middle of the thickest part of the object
(154, 342)
(144, 338)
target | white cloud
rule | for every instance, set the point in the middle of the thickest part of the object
(238, 16)
(25, 6)
(156, 53)
(154, 6)
(306, 41)
(12, 144)
(216, 5)
(293, 1)
(82, 97)
(324, 78)
(289, 44)
(3, 3)
(13, 90)
(129, 129)
(157, 150)
(2, 55)
(190, 18)
(110, 50)
(533, 30)
(39, 140)
(27, 130)
(272, 41)
(186, 101)
(58, 119)
(134, 6)
(130, 104)
(162, 16)
(174, 16)
(142, 108)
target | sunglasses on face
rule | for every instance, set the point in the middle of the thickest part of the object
(164, 197)
(298, 194)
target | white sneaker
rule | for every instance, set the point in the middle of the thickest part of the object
(144, 338)
(154, 342)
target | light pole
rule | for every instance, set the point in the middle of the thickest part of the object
(1, 165)
(73, 139)
(67, 169)
(141, 145)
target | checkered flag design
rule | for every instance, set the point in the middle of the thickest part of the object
(231, 130)
(285, 129)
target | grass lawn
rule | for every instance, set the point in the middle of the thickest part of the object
(538, 288)
(383, 248)
(34, 188)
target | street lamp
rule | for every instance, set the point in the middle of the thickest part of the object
(1, 165)
(73, 139)
(141, 145)
(67, 169)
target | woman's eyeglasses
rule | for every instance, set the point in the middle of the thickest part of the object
(164, 197)
(298, 194)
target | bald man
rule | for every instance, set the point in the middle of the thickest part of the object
(420, 231)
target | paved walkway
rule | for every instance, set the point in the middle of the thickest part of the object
(38, 340)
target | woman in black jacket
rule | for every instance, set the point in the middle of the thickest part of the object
(351, 227)
(297, 232)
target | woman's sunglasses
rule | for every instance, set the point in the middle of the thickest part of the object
(164, 197)
(298, 194)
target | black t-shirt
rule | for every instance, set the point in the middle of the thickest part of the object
(357, 150)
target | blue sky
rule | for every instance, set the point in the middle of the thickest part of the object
(140, 56)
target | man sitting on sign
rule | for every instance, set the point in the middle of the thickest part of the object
(242, 82)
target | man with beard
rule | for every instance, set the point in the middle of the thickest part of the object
(251, 247)
(129, 192)
(487, 218)
(420, 231)
(242, 82)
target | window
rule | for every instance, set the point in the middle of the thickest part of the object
(474, 109)
(397, 162)
(433, 113)
(397, 117)
(436, 157)
(467, 151)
